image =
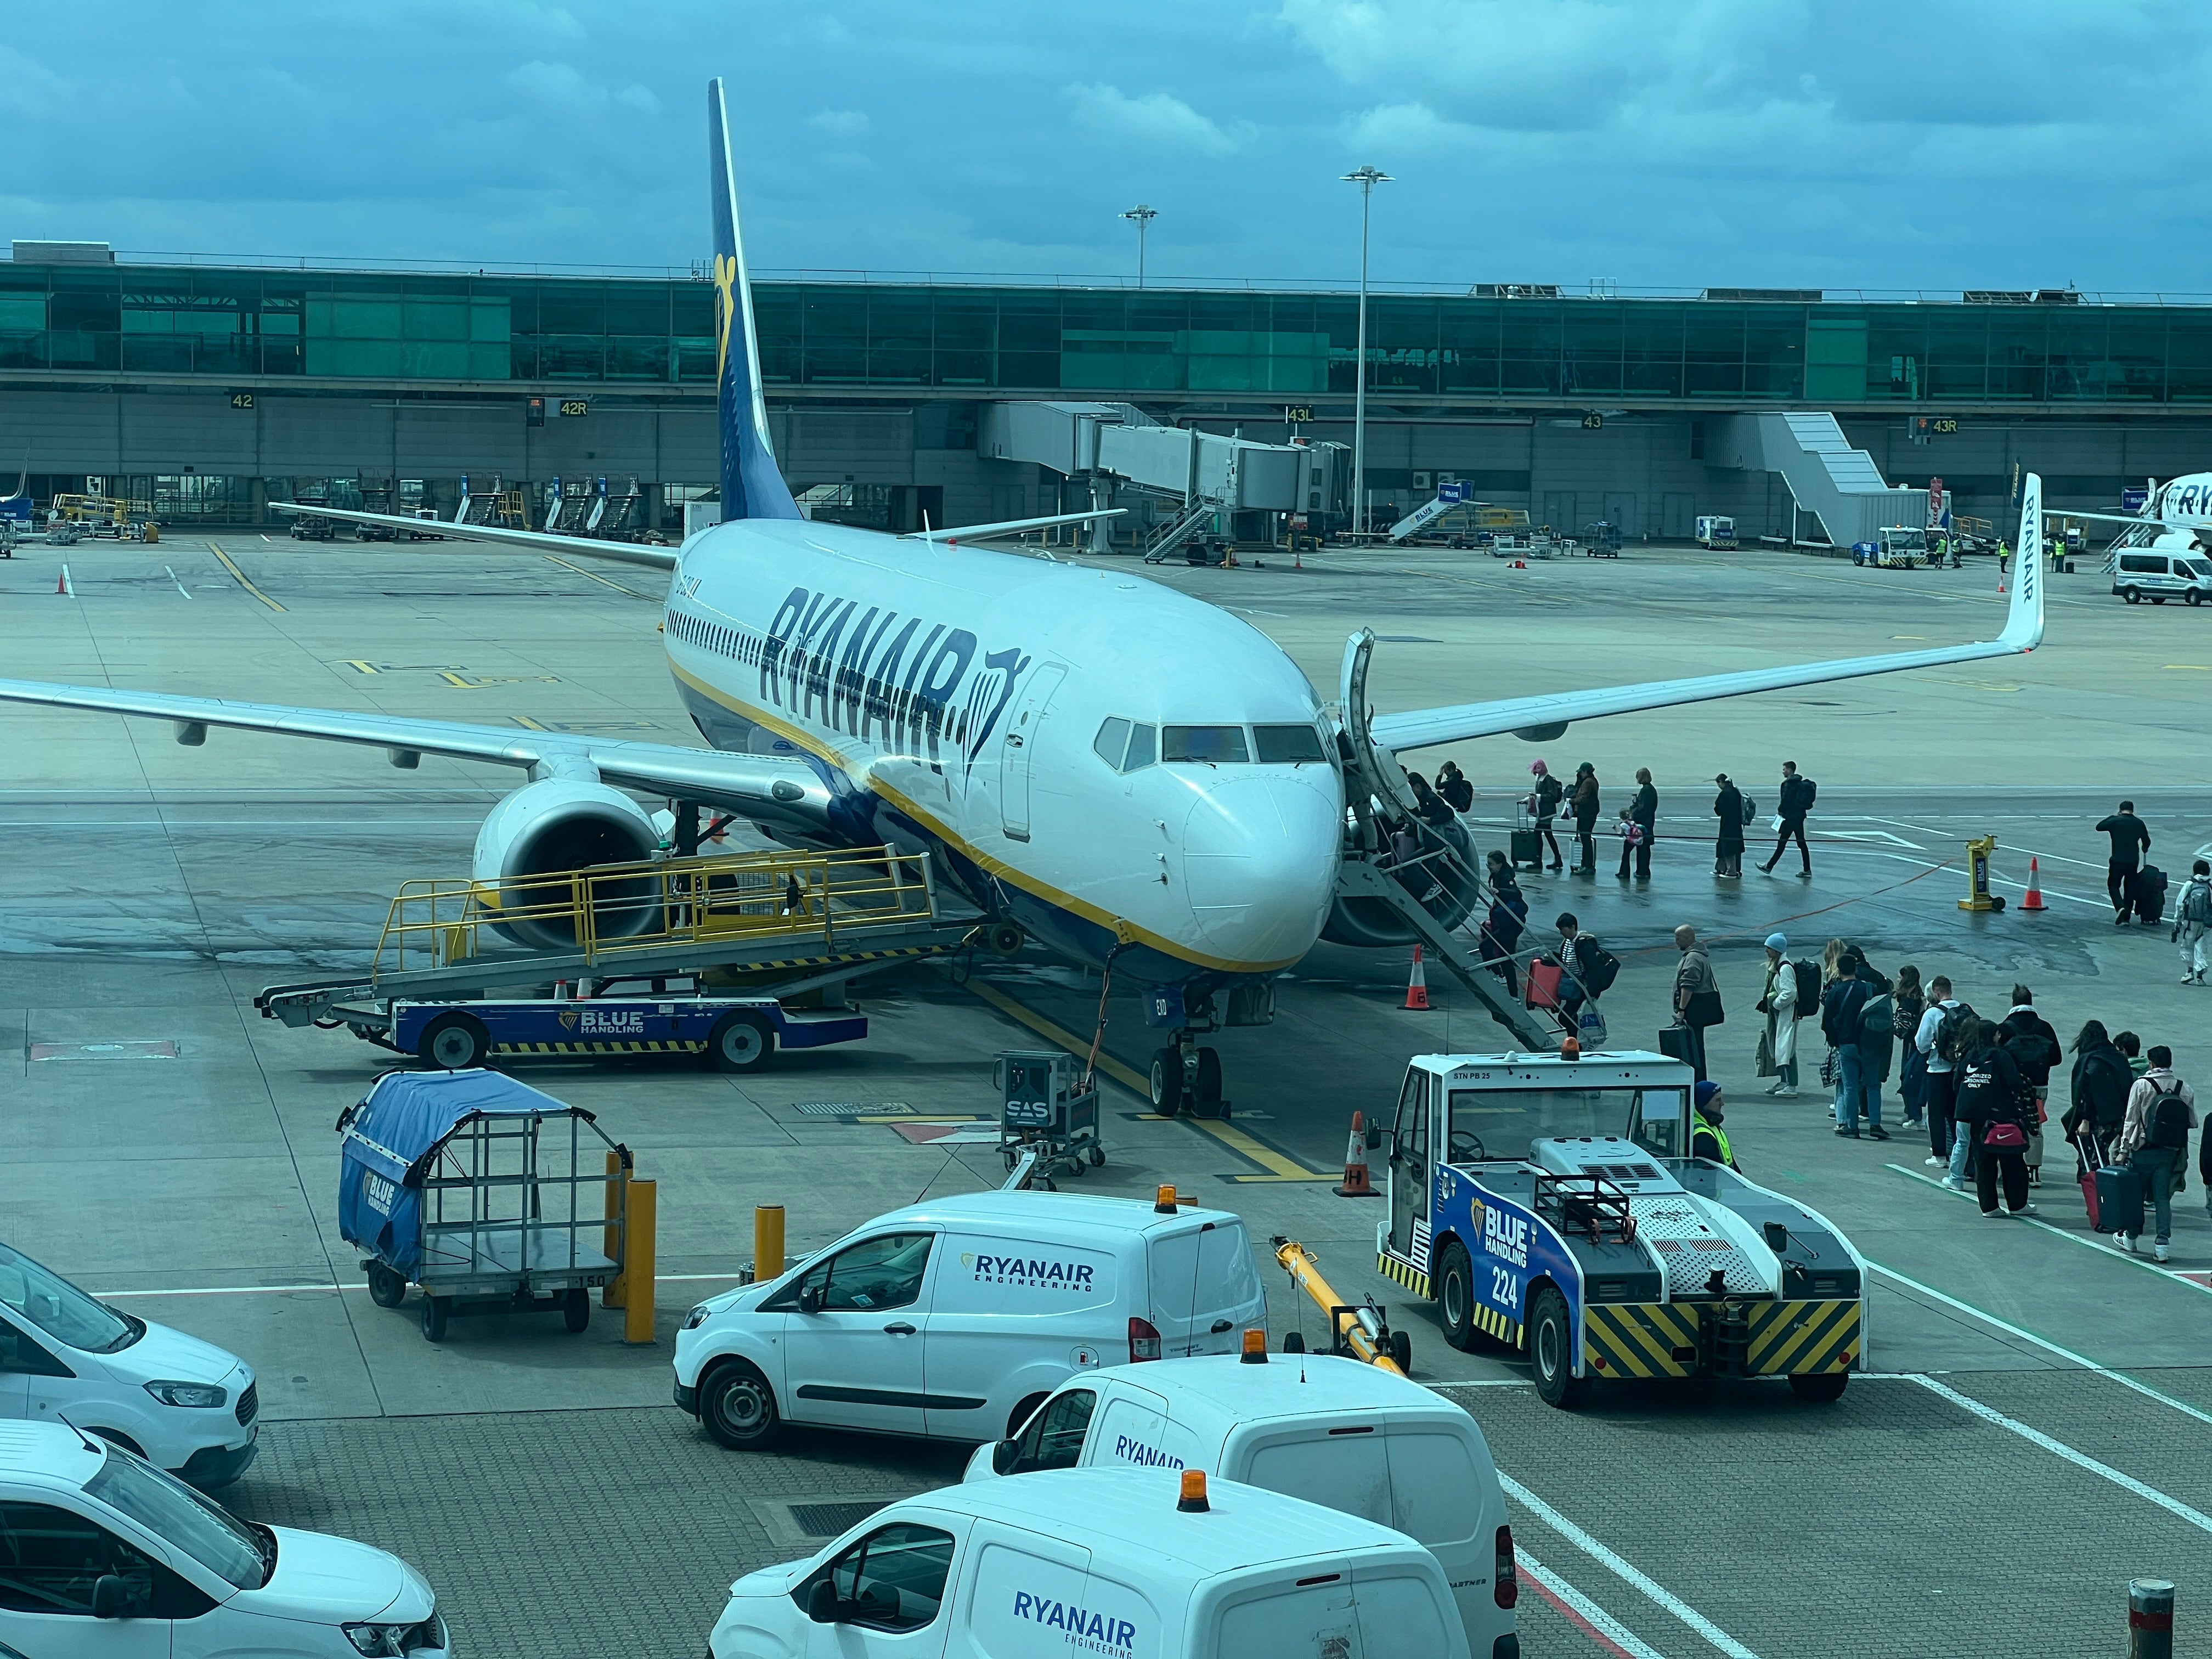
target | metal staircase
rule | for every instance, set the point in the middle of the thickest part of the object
(1197, 516)
(1534, 1029)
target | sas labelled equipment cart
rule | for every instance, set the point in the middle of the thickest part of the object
(1046, 1110)
(470, 1185)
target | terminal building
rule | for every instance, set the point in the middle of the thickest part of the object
(212, 389)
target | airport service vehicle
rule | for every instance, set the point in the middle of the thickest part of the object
(1125, 1563)
(473, 1185)
(952, 1319)
(2159, 577)
(1335, 1431)
(1716, 531)
(67, 1357)
(1898, 546)
(733, 1034)
(1123, 772)
(103, 1556)
(1550, 1204)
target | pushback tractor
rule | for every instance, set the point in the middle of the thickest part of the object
(1550, 1204)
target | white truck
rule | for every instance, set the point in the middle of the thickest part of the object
(1715, 531)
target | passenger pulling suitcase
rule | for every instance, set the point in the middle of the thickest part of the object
(2119, 1201)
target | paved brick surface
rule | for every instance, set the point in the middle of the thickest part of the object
(603, 1532)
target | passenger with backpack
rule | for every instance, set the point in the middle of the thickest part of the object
(2097, 1107)
(1500, 934)
(1782, 1000)
(1937, 1041)
(1908, 1002)
(2154, 1141)
(1877, 1042)
(2192, 920)
(1841, 1005)
(1995, 1107)
(2034, 1048)
(1590, 968)
(1796, 801)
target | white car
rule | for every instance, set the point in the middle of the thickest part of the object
(1333, 1431)
(103, 1556)
(67, 1357)
(1127, 1564)
(953, 1319)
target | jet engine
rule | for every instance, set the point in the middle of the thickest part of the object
(552, 827)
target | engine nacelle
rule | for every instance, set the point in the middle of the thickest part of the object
(554, 826)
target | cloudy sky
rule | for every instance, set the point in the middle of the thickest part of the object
(1865, 144)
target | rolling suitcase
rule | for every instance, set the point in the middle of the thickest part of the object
(2149, 885)
(2089, 1199)
(1527, 850)
(1674, 1043)
(2119, 1201)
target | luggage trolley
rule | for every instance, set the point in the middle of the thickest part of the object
(444, 1181)
(1044, 1110)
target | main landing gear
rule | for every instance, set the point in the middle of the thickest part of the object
(1187, 1077)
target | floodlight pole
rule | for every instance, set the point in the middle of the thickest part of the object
(1366, 178)
(1143, 215)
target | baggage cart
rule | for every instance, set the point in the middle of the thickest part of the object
(1046, 1112)
(471, 1185)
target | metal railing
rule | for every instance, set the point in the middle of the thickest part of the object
(611, 910)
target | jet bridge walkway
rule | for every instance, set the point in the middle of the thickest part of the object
(788, 921)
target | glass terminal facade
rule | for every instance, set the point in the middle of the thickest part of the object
(980, 339)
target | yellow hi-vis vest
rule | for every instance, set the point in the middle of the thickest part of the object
(1702, 1125)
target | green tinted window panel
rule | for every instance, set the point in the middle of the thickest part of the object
(491, 320)
(355, 357)
(1029, 324)
(490, 359)
(691, 307)
(963, 324)
(637, 357)
(835, 318)
(697, 360)
(434, 320)
(570, 309)
(1028, 370)
(636, 309)
(143, 322)
(583, 355)
(279, 322)
(157, 354)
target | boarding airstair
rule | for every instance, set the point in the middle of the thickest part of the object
(1452, 513)
(785, 921)
(1193, 520)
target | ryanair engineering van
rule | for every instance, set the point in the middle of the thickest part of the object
(953, 1319)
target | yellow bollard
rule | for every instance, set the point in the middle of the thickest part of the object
(1979, 851)
(637, 1265)
(768, 1242)
(611, 1247)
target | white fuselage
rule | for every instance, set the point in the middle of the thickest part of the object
(954, 699)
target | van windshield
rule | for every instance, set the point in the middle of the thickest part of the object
(185, 1520)
(1489, 1125)
(61, 1310)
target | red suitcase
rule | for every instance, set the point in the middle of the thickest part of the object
(2089, 1198)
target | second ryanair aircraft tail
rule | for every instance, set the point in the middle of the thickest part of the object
(752, 485)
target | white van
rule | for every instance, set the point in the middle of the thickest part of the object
(1105, 1562)
(1333, 1431)
(67, 1357)
(995, 1298)
(2159, 576)
(105, 1557)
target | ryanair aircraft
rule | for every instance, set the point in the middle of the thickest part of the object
(1132, 776)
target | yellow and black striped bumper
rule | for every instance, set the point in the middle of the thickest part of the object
(1803, 1338)
(1402, 1273)
(1645, 1339)
(598, 1048)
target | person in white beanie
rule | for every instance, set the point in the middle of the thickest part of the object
(1778, 1002)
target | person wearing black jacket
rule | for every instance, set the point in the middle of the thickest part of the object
(2034, 1046)
(1728, 845)
(1549, 791)
(1451, 783)
(1840, 1007)
(1643, 813)
(1582, 802)
(2099, 1096)
(1796, 801)
(1996, 1106)
(1500, 932)
(2130, 840)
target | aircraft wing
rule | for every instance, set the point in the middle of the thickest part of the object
(755, 785)
(539, 541)
(1541, 719)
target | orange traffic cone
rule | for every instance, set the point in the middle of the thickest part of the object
(1417, 983)
(62, 585)
(1356, 1183)
(2034, 899)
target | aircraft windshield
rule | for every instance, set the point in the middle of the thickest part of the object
(1489, 1124)
(1287, 745)
(1214, 745)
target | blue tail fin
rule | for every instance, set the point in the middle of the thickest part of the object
(752, 487)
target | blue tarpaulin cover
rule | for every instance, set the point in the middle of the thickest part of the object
(402, 1120)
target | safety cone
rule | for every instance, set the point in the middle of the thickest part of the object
(1356, 1183)
(62, 585)
(2034, 899)
(1417, 983)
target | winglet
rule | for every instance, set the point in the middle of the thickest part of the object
(2023, 630)
(752, 487)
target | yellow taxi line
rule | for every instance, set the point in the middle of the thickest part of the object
(243, 580)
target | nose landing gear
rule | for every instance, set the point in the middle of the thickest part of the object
(1187, 1077)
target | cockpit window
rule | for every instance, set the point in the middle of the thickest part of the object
(1284, 745)
(1217, 746)
(1113, 741)
(1143, 748)
(1124, 745)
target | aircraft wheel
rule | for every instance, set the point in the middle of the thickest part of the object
(1167, 1082)
(1206, 1088)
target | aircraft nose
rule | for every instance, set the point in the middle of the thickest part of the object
(1260, 855)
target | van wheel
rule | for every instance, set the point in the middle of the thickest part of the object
(2132, 595)
(1455, 1296)
(1822, 1386)
(387, 1288)
(1552, 1349)
(740, 1043)
(1023, 1412)
(1167, 1082)
(739, 1408)
(457, 1042)
(2193, 596)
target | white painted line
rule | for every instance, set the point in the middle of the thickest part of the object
(333, 1290)
(2174, 1506)
(173, 577)
(2092, 1242)
(1593, 1620)
(68, 591)
(1486, 1383)
(2047, 1346)
(1620, 1569)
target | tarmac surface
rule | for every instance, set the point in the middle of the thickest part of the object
(2034, 1430)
